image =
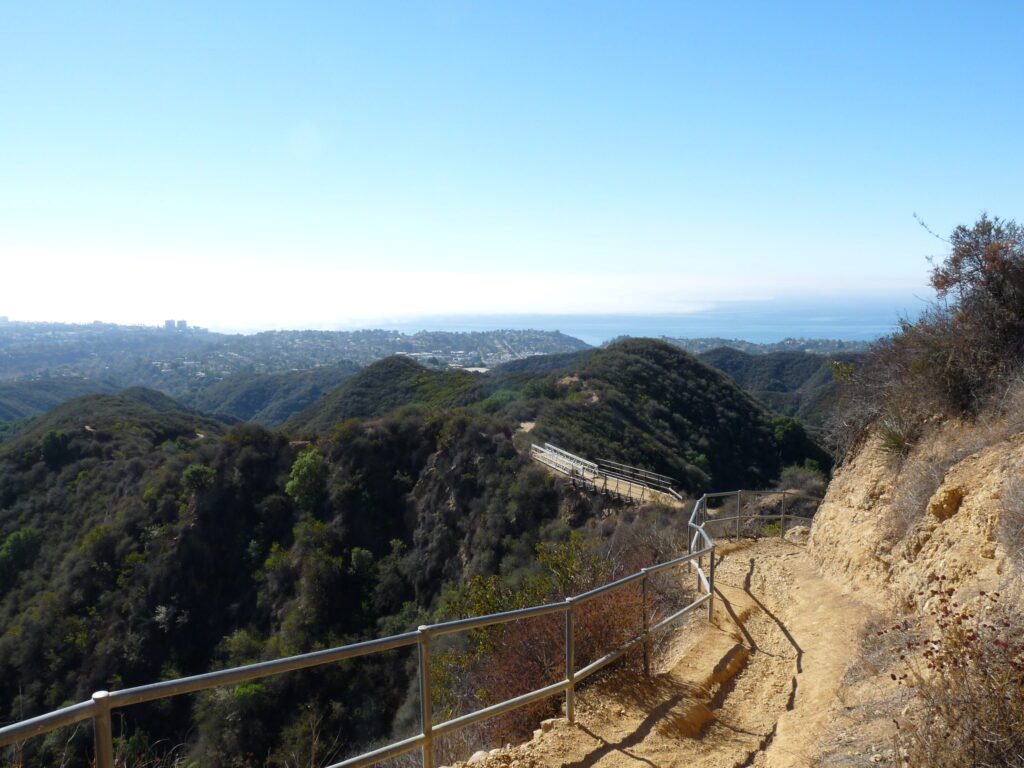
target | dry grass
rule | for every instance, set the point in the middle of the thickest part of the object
(1011, 524)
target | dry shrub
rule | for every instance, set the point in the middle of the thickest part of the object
(1011, 524)
(967, 679)
(526, 655)
(807, 479)
(645, 536)
(496, 663)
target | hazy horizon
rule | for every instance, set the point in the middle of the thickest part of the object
(324, 165)
(758, 322)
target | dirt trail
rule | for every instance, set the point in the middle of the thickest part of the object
(756, 687)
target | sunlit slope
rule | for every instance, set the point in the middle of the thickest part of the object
(638, 401)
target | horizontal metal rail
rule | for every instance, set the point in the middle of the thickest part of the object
(51, 721)
(383, 753)
(570, 457)
(700, 545)
(498, 709)
(461, 625)
(606, 476)
(635, 470)
(635, 474)
(154, 691)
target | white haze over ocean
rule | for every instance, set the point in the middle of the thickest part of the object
(248, 296)
(759, 322)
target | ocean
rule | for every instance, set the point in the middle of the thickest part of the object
(749, 321)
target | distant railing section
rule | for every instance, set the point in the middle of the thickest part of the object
(563, 461)
(605, 476)
(699, 545)
(636, 475)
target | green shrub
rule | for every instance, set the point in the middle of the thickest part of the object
(54, 447)
(306, 483)
(196, 478)
(806, 477)
(16, 553)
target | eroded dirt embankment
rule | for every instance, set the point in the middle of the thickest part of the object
(889, 528)
(756, 687)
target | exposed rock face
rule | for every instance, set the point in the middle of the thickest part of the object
(869, 538)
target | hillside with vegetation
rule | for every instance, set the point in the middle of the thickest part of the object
(142, 540)
(270, 399)
(637, 401)
(828, 347)
(30, 397)
(265, 377)
(383, 387)
(797, 384)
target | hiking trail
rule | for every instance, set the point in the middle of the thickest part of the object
(757, 686)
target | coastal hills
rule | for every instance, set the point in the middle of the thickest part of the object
(269, 378)
(142, 539)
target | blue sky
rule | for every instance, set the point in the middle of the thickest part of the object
(322, 164)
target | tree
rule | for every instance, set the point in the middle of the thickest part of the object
(986, 263)
(196, 478)
(984, 274)
(960, 352)
(307, 480)
(978, 337)
(55, 447)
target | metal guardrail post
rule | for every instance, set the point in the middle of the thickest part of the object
(700, 568)
(711, 585)
(570, 662)
(645, 623)
(782, 518)
(739, 511)
(102, 728)
(426, 695)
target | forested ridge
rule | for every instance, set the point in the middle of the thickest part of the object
(640, 401)
(798, 384)
(141, 539)
(270, 399)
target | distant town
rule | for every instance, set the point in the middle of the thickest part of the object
(178, 358)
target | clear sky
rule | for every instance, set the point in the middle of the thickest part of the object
(256, 165)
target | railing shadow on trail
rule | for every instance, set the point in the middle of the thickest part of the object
(710, 511)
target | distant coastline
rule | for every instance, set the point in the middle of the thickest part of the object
(758, 323)
(753, 322)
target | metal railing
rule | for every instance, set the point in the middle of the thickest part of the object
(608, 477)
(732, 502)
(699, 545)
(563, 461)
(636, 475)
